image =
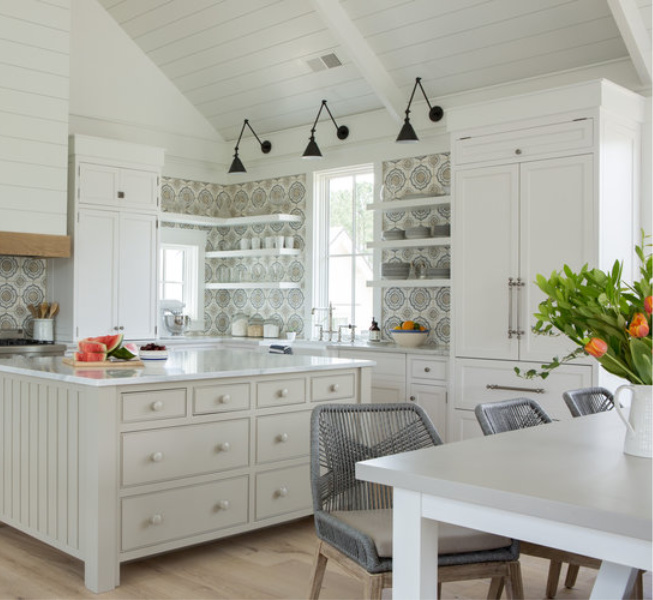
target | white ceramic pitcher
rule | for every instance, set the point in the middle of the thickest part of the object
(639, 426)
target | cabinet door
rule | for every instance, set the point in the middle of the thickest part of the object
(464, 426)
(136, 292)
(98, 185)
(96, 238)
(433, 399)
(485, 257)
(557, 228)
(138, 189)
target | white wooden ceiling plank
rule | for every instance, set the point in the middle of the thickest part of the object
(39, 36)
(635, 35)
(108, 4)
(35, 59)
(31, 11)
(361, 8)
(214, 34)
(125, 12)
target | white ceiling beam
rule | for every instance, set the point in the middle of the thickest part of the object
(370, 67)
(635, 35)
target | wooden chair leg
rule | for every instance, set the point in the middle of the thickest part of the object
(553, 578)
(319, 567)
(373, 587)
(638, 588)
(515, 584)
(439, 590)
(495, 590)
(572, 574)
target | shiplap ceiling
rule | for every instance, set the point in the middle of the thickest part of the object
(236, 59)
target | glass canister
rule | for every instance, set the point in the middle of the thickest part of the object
(255, 327)
(271, 328)
(239, 325)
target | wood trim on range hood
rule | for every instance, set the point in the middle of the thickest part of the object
(34, 244)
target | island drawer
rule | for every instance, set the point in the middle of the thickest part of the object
(221, 398)
(283, 491)
(427, 368)
(333, 387)
(280, 437)
(161, 454)
(153, 405)
(281, 391)
(164, 516)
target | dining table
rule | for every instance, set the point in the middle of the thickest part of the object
(566, 485)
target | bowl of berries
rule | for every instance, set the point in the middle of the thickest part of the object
(153, 351)
(409, 334)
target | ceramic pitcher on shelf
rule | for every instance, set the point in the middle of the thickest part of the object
(639, 425)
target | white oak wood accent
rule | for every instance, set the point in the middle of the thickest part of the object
(34, 244)
(409, 203)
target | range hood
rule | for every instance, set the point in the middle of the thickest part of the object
(34, 244)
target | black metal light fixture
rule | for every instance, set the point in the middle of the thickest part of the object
(237, 165)
(313, 150)
(407, 133)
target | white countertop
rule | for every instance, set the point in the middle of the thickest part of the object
(182, 365)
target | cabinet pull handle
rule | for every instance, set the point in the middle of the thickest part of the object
(519, 284)
(225, 399)
(427, 369)
(156, 456)
(282, 492)
(509, 308)
(283, 438)
(518, 151)
(283, 393)
(223, 505)
(335, 387)
(121, 194)
(156, 519)
(224, 447)
(156, 405)
(494, 386)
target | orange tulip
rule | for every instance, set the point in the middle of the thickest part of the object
(648, 304)
(639, 326)
(596, 347)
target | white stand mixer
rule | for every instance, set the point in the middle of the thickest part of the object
(172, 316)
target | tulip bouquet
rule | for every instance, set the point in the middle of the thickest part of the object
(606, 318)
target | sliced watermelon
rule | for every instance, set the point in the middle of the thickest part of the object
(122, 353)
(90, 356)
(110, 341)
(88, 346)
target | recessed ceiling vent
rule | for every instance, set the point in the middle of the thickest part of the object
(321, 63)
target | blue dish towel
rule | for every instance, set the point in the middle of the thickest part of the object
(278, 349)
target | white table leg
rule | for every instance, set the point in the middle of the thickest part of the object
(613, 581)
(415, 549)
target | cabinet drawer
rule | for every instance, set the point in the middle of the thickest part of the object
(162, 454)
(525, 144)
(152, 406)
(279, 437)
(170, 515)
(283, 491)
(221, 398)
(425, 368)
(388, 364)
(281, 391)
(333, 387)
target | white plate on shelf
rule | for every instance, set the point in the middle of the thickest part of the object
(153, 354)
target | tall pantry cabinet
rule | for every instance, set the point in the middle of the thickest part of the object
(540, 181)
(109, 286)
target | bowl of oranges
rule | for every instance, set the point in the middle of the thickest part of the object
(409, 334)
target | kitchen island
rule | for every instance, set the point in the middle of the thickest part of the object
(113, 464)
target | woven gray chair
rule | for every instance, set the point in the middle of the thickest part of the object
(353, 518)
(588, 401)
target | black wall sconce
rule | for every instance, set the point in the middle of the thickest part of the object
(312, 150)
(237, 165)
(407, 133)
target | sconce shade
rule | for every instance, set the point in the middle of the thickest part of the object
(237, 165)
(312, 150)
(407, 133)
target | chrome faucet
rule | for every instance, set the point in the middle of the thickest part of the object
(329, 330)
(352, 332)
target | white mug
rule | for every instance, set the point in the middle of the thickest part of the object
(256, 243)
(244, 244)
(289, 241)
(269, 242)
(279, 244)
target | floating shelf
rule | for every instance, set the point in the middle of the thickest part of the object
(252, 285)
(166, 217)
(418, 243)
(409, 203)
(409, 283)
(251, 253)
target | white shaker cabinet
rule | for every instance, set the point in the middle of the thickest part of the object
(107, 186)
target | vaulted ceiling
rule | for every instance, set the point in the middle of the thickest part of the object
(272, 61)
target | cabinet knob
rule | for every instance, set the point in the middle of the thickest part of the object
(223, 505)
(518, 151)
(224, 447)
(121, 328)
(115, 328)
(427, 369)
(335, 387)
(121, 194)
(156, 405)
(282, 492)
(156, 519)
(283, 438)
(156, 456)
(225, 399)
(412, 398)
(283, 393)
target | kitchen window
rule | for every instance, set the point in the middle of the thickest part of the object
(343, 264)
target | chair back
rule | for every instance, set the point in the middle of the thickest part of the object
(588, 401)
(343, 434)
(508, 415)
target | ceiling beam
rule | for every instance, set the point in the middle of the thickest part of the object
(635, 35)
(349, 36)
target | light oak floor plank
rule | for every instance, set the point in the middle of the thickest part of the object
(267, 564)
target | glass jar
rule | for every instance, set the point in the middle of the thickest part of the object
(255, 327)
(271, 328)
(239, 325)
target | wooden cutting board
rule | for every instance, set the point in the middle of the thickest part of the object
(112, 364)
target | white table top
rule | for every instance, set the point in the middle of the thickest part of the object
(571, 471)
(182, 365)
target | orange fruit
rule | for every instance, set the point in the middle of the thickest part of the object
(407, 325)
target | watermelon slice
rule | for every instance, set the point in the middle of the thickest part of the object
(90, 356)
(110, 341)
(87, 346)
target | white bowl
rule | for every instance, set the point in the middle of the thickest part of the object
(153, 354)
(409, 338)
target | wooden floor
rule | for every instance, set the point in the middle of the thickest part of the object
(272, 563)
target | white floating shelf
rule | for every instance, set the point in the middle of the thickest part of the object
(166, 217)
(418, 243)
(251, 253)
(252, 285)
(409, 283)
(407, 204)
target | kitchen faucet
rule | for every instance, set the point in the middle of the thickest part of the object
(329, 330)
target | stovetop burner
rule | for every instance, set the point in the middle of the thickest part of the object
(22, 342)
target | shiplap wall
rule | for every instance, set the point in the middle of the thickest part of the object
(34, 99)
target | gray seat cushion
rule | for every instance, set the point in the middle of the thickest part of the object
(377, 524)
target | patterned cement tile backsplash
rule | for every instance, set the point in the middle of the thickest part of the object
(22, 282)
(428, 175)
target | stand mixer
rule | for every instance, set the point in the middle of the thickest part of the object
(173, 318)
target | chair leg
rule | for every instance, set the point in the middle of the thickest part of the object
(553, 578)
(373, 587)
(319, 567)
(515, 584)
(572, 574)
(439, 590)
(495, 590)
(638, 588)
